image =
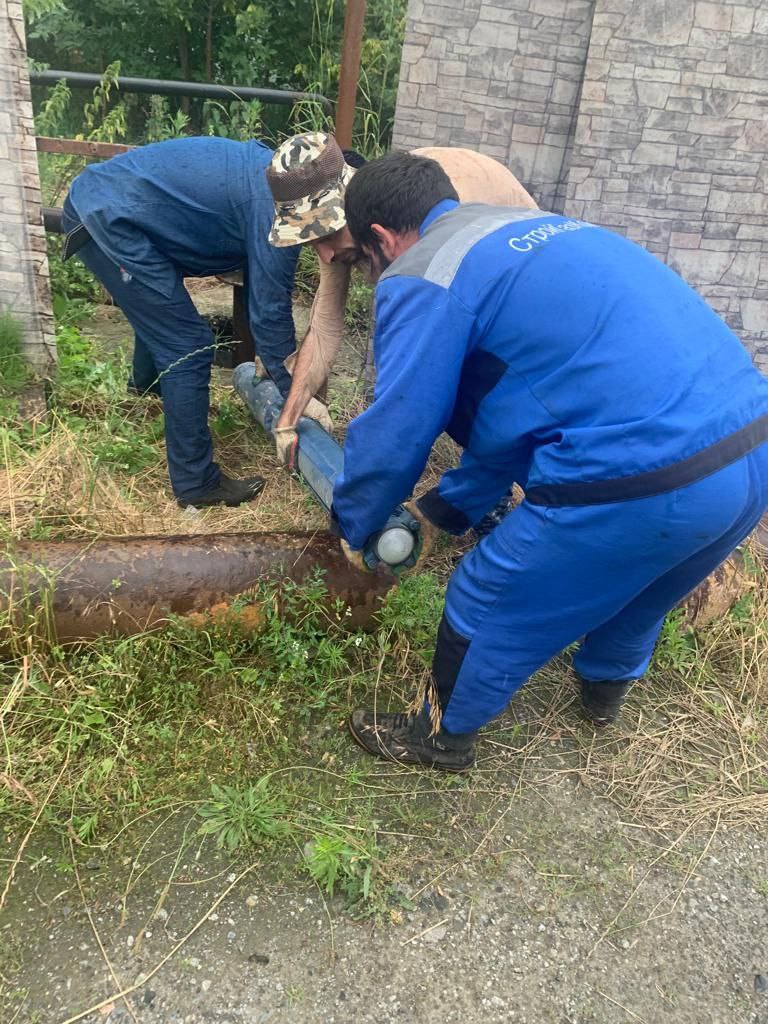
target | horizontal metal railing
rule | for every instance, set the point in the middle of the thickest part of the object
(163, 87)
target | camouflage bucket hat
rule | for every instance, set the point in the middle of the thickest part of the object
(308, 177)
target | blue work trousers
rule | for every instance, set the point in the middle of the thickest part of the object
(173, 354)
(605, 575)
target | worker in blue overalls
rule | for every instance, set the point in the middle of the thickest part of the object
(145, 220)
(573, 362)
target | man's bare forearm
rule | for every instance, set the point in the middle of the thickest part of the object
(301, 385)
(321, 345)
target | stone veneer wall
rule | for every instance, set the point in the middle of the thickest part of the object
(502, 77)
(24, 285)
(646, 116)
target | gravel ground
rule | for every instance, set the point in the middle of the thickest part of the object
(560, 914)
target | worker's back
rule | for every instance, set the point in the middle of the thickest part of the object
(199, 202)
(587, 358)
(478, 178)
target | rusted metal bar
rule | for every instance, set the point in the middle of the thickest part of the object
(244, 351)
(354, 19)
(80, 147)
(167, 87)
(74, 590)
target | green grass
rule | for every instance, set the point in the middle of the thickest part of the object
(243, 731)
(335, 864)
(13, 369)
(241, 725)
(247, 816)
(14, 372)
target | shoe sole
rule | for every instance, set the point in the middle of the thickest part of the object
(599, 721)
(386, 756)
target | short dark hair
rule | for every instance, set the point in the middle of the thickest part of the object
(353, 158)
(396, 191)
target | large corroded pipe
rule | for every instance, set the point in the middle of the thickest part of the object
(714, 597)
(126, 585)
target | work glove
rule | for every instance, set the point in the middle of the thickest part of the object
(318, 411)
(355, 558)
(427, 534)
(286, 445)
(287, 440)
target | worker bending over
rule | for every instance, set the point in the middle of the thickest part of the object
(145, 220)
(308, 178)
(563, 357)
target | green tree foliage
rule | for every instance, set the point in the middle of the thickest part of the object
(186, 39)
(284, 44)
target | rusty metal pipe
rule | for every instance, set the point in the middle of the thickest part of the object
(126, 585)
(351, 47)
(79, 147)
(76, 590)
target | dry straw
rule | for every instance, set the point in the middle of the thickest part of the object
(691, 746)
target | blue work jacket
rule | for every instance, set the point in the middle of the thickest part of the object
(559, 355)
(201, 205)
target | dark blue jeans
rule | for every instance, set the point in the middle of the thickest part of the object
(173, 353)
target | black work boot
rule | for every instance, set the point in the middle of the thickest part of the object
(227, 492)
(601, 701)
(407, 740)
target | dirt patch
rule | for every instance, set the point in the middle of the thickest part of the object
(556, 913)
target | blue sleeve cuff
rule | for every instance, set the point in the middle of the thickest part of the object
(442, 514)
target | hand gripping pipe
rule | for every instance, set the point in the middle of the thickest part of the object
(319, 461)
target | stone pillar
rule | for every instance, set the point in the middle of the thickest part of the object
(24, 283)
